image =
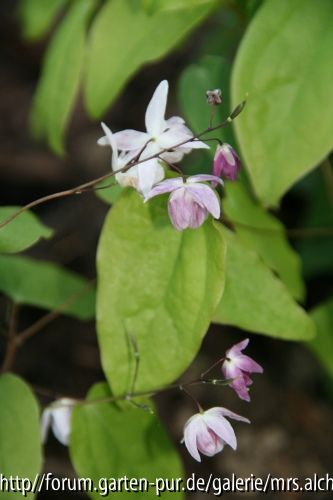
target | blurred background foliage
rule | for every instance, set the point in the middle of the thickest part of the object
(65, 65)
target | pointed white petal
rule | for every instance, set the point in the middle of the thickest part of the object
(155, 122)
(129, 140)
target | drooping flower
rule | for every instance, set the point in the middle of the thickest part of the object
(209, 431)
(161, 134)
(226, 162)
(142, 176)
(238, 366)
(58, 417)
(190, 201)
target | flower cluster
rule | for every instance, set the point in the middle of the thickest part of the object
(206, 432)
(140, 160)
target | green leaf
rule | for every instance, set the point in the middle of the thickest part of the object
(209, 72)
(59, 83)
(109, 440)
(256, 300)
(123, 27)
(20, 449)
(22, 232)
(42, 284)
(322, 344)
(158, 285)
(152, 6)
(108, 191)
(285, 64)
(37, 16)
(265, 235)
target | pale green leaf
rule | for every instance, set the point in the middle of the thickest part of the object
(22, 232)
(118, 440)
(265, 234)
(46, 285)
(20, 448)
(322, 344)
(124, 28)
(158, 285)
(108, 191)
(152, 6)
(285, 64)
(256, 300)
(37, 16)
(59, 82)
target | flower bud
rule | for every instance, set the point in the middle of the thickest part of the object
(226, 162)
(58, 416)
(214, 97)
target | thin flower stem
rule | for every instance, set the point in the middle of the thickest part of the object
(211, 367)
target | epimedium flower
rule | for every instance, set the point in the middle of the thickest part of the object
(142, 176)
(226, 162)
(238, 366)
(208, 432)
(190, 201)
(160, 134)
(58, 416)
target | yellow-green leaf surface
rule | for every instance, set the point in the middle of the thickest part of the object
(322, 344)
(36, 16)
(22, 232)
(256, 300)
(123, 37)
(157, 285)
(46, 285)
(20, 446)
(265, 234)
(285, 64)
(59, 82)
(118, 440)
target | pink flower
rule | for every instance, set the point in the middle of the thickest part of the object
(238, 366)
(226, 162)
(190, 201)
(209, 431)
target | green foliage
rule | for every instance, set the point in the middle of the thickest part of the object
(123, 27)
(284, 63)
(256, 300)
(110, 192)
(117, 440)
(20, 449)
(272, 247)
(153, 6)
(158, 285)
(36, 16)
(59, 83)
(264, 234)
(42, 284)
(322, 344)
(22, 232)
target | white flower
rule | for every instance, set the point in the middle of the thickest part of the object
(161, 134)
(209, 431)
(58, 417)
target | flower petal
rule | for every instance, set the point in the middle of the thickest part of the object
(205, 196)
(248, 364)
(45, 424)
(220, 410)
(150, 172)
(190, 436)
(195, 144)
(154, 119)
(174, 121)
(113, 145)
(203, 178)
(129, 139)
(61, 422)
(222, 428)
(167, 186)
(172, 137)
(237, 348)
